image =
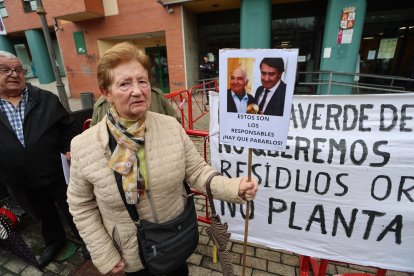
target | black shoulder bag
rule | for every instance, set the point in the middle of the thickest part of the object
(164, 247)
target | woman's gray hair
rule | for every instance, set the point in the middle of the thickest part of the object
(7, 55)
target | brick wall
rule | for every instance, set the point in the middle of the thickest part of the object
(135, 18)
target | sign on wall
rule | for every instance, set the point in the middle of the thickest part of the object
(387, 48)
(344, 188)
(346, 25)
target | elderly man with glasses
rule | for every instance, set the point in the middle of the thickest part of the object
(35, 128)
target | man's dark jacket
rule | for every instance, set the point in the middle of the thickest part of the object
(48, 130)
(231, 106)
(277, 102)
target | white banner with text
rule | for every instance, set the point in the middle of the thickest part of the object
(343, 189)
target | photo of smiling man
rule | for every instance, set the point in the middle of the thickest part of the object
(271, 95)
(237, 97)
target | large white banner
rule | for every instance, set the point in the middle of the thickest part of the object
(344, 188)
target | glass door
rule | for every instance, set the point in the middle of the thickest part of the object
(159, 71)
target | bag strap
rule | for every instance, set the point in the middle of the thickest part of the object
(131, 208)
(209, 194)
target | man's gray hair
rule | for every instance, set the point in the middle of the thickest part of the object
(244, 73)
(7, 55)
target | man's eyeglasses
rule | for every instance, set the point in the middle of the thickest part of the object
(8, 71)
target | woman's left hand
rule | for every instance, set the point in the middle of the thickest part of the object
(119, 266)
(248, 189)
(67, 155)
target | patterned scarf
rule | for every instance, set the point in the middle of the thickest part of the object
(124, 159)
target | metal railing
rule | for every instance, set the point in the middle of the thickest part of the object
(192, 104)
(327, 81)
(310, 82)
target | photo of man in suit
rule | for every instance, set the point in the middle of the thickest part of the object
(271, 95)
(237, 97)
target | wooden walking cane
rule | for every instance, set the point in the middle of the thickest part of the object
(246, 220)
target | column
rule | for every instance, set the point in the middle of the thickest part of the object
(6, 44)
(340, 47)
(40, 56)
(255, 23)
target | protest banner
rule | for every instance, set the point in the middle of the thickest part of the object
(343, 189)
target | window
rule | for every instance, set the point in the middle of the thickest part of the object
(79, 42)
(29, 6)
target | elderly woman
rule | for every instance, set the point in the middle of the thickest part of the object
(152, 153)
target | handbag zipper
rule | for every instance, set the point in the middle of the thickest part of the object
(154, 250)
(161, 246)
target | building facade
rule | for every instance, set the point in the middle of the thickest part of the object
(177, 34)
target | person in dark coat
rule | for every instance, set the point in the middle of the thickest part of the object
(206, 68)
(35, 129)
(271, 95)
(237, 97)
(207, 72)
